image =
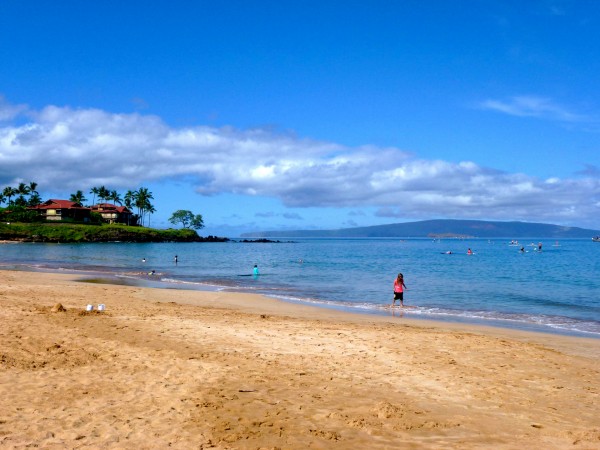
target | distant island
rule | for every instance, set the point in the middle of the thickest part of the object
(440, 229)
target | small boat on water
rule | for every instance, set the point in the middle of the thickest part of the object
(596, 239)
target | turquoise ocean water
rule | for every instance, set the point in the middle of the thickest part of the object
(556, 290)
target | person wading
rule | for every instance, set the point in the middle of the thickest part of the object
(399, 287)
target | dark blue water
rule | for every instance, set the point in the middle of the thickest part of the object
(555, 290)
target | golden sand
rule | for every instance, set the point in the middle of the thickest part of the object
(186, 369)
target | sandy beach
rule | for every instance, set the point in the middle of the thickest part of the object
(188, 369)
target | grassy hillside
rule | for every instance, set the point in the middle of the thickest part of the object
(65, 232)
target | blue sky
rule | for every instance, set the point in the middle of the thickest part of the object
(268, 115)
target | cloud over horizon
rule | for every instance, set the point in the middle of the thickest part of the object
(71, 149)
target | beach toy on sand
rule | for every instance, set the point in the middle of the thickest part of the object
(89, 308)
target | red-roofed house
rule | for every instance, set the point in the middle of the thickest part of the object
(113, 213)
(55, 209)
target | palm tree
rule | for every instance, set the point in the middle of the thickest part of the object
(9, 193)
(151, 210)
(23, 189)
(129, 199)
(94, 191)
(2, 198)
(34, 199)
(34, 196)
(20, 201)
(115, 197)
(32, 187)
(142, 199)
(103, 193)
(78, 197)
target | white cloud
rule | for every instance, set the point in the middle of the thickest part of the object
(65, 149)
(533, 106)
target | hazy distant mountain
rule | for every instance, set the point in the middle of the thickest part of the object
(443, 228)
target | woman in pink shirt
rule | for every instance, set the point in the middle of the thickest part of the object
(399, 287)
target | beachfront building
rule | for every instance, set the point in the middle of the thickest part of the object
(66, 210)
(59, 210)
(114, 214)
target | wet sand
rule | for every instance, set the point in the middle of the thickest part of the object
(188, 369)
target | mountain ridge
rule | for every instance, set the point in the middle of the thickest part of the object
(442, 228)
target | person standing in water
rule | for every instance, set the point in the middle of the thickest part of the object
(399, 287)
(255, 271)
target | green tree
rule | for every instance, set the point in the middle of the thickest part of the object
(26, 195)
(142, 199)
(103, 193)
(129, 198)
(34, 199)
(23, 189)
(33, 188)
(21, 214)
(20, 200)
(151, 210)
(94, 191)
(9, 193)
(78, 197)
(34, 196)
(115, 197)
(187, 219)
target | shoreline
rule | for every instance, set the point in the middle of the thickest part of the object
(264, 304)
(215, 369)
(139, 280)
(252, 303)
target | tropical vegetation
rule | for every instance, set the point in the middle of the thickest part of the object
(76, 232)
(20, 223)
(18, 199)
(22, 195)
(187, 219)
